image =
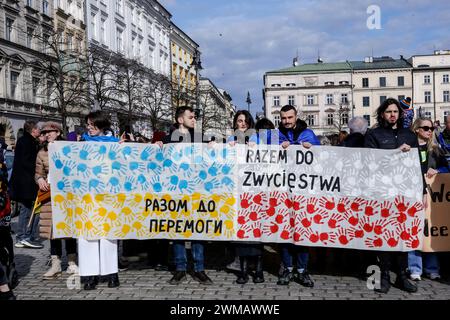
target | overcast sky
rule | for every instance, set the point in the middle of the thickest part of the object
(241, 40)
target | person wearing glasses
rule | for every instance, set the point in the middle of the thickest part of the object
(433, 162)
(391, 134)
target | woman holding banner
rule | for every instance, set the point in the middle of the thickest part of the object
(52, 132)
(433, 162)
(390, 134)
(98, 257)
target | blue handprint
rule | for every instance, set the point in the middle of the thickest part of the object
(96, 185)
(168, 164)
(112, 154)
(129, 184)
(100, 153)
(62, 184)
(202, 175)
(146, 153)
(226, 169)
(58, 163)
(113, 184)
(100, 169)
(85, 152)
(188, 151)
(213, 171)
(152, 166)
(160, 156)
(156, 185)
(142, 180)
(68, 167)
(136, 166)
(82, 169)
(129, 152)
(186, 168)
(119, 168)
(184, 186)
(78, 185)
(68, 150)
(226, 181)
(173, 183)
(210, 185)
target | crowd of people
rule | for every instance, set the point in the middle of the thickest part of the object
(99, 261)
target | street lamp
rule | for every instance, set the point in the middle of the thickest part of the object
(197, 64)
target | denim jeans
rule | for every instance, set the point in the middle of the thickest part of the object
(290, 251)
(25, 232)
(418, 261)
(179, 252)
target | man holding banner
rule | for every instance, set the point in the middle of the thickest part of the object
(294, 131)
(183, 132)
(390, 134)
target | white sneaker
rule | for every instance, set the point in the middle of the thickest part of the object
(28, 244)
(72, 268)
(415, 277)
(19, 245)
(435, 276)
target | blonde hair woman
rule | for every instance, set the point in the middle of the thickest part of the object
(433, 162)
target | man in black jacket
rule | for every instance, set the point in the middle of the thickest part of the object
(23, 188)
(183, 131)
(390, 134)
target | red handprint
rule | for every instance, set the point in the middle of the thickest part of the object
(343, 238)
(374, 242)
(271, 229)
(326, 237)
(242, 220)
(416, 227)
(245, 203)
(370, 208)
(327, 203)
(403, 233)
(418, 206)
(357, 203)
(281, 215)
(413, 243)
(319, 216)
(400, 203)
(386, 209)
(356, 233)
(285, 234)
(259, 199)
(242, 233)
(342, 205)
(311, 205)
(366, 225)
(313, 237)
(380, 225)
(390, 238)
(335, 220)
(270, 212)
(297, 202)
(353, 220)
(273, 200)
(254, 216)
(304, 220)
(257, 233)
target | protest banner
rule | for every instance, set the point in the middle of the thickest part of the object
(437, 215)
(326, 196)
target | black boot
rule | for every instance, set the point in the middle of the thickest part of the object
(259, 275)
(243, 274)
(385, 282)
(402, 282)
(91, 283)
(113, 281)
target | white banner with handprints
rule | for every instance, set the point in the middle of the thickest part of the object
(325, 196)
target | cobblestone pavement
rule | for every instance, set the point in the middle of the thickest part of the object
(143, 284)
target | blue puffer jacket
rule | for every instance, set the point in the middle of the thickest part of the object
(298, 135)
